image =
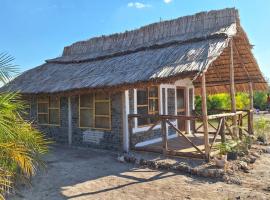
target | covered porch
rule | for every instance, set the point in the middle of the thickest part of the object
(234, 70)
(197, 143)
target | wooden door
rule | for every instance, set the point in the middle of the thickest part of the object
(181, 107)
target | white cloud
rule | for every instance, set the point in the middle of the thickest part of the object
(138, 5)
(167, 1)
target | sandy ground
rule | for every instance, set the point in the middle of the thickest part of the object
(92, 174)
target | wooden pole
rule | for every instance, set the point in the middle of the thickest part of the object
(250, 121)
(222, 130)
(232, 92)
(205, 119)
(130, 132)
(125, 109)
(164, 137)
(240, 123)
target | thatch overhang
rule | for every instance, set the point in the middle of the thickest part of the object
(246, 69)
(158, 53)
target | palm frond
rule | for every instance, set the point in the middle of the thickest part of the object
(21, 146)
(7, 69)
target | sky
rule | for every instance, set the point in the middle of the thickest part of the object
(33, 31)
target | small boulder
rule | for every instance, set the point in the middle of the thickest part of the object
(121, 159)
(252, 159)
(267, 150)
(243, 166)
(255, 154)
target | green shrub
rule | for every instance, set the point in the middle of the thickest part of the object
(223, 101)
(262, 129)
(260, 100)
(228, 146)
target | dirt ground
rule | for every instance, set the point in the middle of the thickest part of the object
(94, 174)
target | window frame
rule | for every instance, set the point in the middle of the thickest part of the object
(109, 116)
(148, 104)
(47, 101)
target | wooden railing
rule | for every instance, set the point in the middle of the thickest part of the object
(222, 128)
(165, 120)
(241, 116)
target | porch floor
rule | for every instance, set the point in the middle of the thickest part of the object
(180, 144)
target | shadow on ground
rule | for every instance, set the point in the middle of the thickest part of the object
(73, 173)
(96, 174)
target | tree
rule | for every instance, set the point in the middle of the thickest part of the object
(260, 100)
(21, 145)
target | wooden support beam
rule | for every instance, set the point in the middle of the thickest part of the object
(228, 128)
(250, 121)
(205, 119)
(232, 91)
(240, 123)
(222, 130)
(130, 131)
(183, 117)
(212, 125)
(226, 82)
(196, 130)
(183, 135)
(241, 60)
(220, 124)
(216, 116)
(152, 127)
(164, 137)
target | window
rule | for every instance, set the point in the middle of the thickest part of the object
(49, 110)
(95, 111)
(147, 103)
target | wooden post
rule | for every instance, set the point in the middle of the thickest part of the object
(130, 120)
(250, 116)
(125, 109)
(232, 91)
(204, 115)
(164, 136)
(193, 122)
(240, 123)
(222, 130)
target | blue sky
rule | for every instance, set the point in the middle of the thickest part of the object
(33, 31)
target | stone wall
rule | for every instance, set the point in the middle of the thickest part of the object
(112, 139)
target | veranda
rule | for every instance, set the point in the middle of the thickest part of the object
(207, 129)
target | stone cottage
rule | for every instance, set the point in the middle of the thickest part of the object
(84, 97)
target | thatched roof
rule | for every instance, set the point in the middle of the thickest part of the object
(159, 52)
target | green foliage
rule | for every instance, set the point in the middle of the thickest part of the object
(223, 101)
(242, 101)
(245, 144)
(260, 100)
(21, 146)
(262, 129)
(228, 146)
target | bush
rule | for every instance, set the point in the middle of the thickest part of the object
(262, 129)
(228, 146)
(223, 101)
(260, 100)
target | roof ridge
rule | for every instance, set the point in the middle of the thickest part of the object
(180, 29)
(101, 57)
